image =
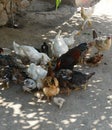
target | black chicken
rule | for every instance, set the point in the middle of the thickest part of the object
(79, 80)
(72, 57)
(45, 48)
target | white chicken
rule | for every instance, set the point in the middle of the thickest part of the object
(70, 40)
(29, 85)
(30, 52)
(36, 72)
(59, 46)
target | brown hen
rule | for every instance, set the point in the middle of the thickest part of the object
(94, 60)
(50, 84)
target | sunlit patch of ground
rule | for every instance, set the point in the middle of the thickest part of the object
(104, 7)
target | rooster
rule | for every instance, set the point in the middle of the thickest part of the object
(72, 57)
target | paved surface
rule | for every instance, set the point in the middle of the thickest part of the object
(89, 109)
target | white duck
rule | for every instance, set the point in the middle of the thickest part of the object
(29, 85)
(30, 52)
(70, 40)
(36, 72)
(59, 46)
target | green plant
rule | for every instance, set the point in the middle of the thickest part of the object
(58, 3)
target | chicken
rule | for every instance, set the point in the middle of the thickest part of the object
(45, 48)
(86, 14)
(64, 76)
(58, 45)
(72, 57)
(103, 43)
(70, 40)
(50, 84)
(94, 60)
(79, 80)
(30, 52)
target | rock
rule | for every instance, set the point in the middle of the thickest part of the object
(3, 18)
(8, 7)
(1, 8)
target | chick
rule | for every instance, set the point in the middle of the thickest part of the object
(79, 80)
(103, 43)
(50, 84)
(94, 60)
(59, 101)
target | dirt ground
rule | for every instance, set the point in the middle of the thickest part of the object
(88, 109)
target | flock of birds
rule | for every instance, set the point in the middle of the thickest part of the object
(36, 71)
